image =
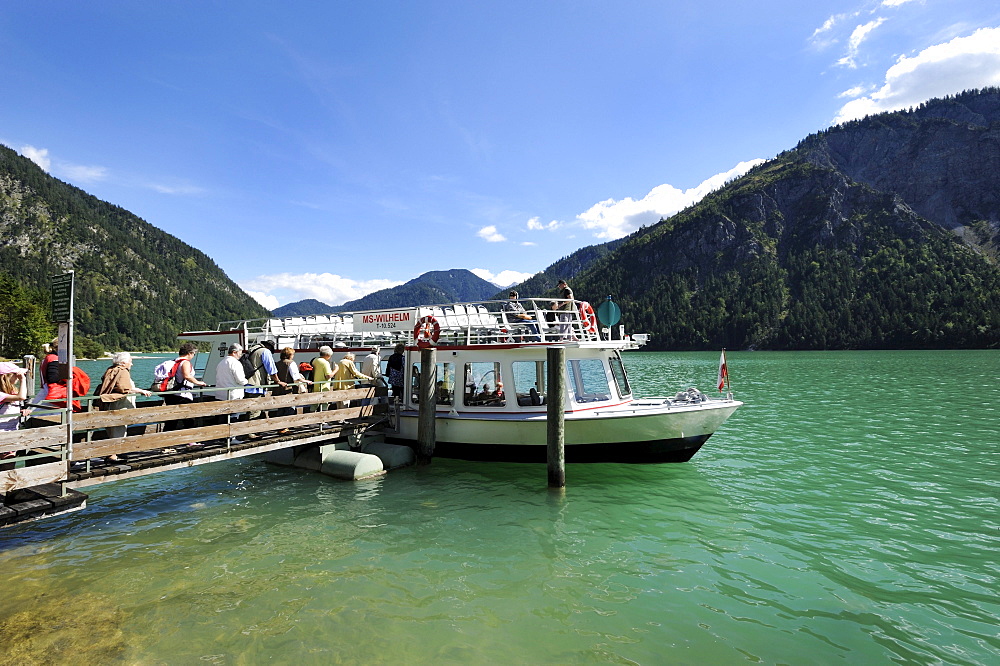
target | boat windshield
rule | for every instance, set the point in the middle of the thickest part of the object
(588, 380)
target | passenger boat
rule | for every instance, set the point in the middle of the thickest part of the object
(492, 372)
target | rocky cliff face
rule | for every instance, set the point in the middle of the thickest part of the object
(943, 160)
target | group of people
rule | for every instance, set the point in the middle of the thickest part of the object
(561, 313)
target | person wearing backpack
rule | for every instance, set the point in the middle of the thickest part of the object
(184, 378)
(263, 372)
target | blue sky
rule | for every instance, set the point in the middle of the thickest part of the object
(326, 150)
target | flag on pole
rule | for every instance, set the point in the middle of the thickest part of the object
(723, 372)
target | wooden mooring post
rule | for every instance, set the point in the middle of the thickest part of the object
(556, 416)
(426, 412)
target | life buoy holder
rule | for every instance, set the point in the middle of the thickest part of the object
(588, 316)
(427, 331)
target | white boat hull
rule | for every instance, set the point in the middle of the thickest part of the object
(636, 432)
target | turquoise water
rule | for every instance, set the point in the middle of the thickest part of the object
(848, 513)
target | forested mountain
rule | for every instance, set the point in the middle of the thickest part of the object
(309, 306)
(458, 284)
(136, 286)
(854, 239)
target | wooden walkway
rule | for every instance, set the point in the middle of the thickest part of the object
(50, 461)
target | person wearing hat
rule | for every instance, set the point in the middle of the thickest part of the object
(517, 315)
(566, 306)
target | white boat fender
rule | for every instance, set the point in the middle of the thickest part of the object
(392, 455)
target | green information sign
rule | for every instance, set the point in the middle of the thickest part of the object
(62, 297)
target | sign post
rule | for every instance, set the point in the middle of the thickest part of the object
(62, 314)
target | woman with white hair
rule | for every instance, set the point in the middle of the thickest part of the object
(118, 391)
(322, 370)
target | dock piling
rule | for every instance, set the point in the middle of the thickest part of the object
(556, 416)
(426, 433)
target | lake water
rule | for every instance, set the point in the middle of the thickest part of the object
(848, 513)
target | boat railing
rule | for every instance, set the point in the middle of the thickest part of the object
(548, 320)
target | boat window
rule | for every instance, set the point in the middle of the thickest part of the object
(621, 379)
(588, 380)
(484, 385)
(445, 383)
(529, 382)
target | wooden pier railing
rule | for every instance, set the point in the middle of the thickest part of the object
(46, 454)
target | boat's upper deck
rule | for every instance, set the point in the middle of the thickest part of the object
(542, 321)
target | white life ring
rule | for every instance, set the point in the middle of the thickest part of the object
(588, 316)
(427, 331)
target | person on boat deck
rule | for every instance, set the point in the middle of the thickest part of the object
(516, 313)
(118, 391)
(396, 368)
(566, 306)
(344, 376)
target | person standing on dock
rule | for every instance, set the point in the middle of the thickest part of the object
(229, 375)
(372, 366)
(13, 392)
(288, 372)
(322, 373)
(184, 378)
(265, 372)
(344, 375)
(118, 391)
(395, 367)
(322, 370)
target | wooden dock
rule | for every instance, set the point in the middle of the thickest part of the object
(53, 464)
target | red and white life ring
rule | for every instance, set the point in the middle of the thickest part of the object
(427, 331)
(588, 316)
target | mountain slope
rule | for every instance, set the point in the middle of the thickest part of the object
(457, 284)
(798, 254)
(309, 306)
(136, 286)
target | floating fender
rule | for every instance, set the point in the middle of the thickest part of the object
(391, 455)
(351, 465)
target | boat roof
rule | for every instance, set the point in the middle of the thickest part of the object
(471, 323)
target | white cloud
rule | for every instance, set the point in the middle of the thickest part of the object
(79, 173)
(326, 287)
(964, 63)
(535, 224)
(76, 173)
(504, 278)
(39, 156)
(490, 235)
(267, 300)
(181, 189)
(614, 219)
(859, 35)
(853, 92)
(894, 3)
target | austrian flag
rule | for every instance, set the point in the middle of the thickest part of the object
(723, 372)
